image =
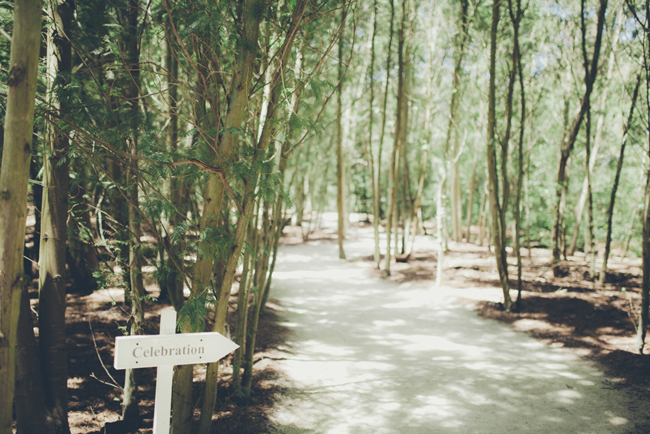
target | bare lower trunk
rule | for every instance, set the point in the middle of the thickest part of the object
(470, 198)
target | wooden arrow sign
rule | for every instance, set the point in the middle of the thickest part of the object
(177, 349)
(165, 350)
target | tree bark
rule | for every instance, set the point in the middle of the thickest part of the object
(610, 209)
(495, 207)
(515, 17)
(16, 153)
(52, 259)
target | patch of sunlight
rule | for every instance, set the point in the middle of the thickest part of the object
(570, 375)
(452, 424)
(321, 348)
(75, 382)
(298, 311)
(442, 359)
(387, 406)
(418, 343)
(564, 396)
(290, 324)
(468, 396)
(506, 391)
(616, 420)
(553, 366)
(380, 323)
(586, 383)
(288, 257)
(553, 419)
(432, 406)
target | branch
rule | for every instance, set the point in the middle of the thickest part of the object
(216, 170)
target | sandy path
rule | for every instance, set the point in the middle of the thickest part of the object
(371, 356)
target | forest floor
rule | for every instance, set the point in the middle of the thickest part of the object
(580, 331)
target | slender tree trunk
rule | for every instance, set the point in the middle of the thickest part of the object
(383, 129)
(645, 291)
(590, 219)
(470, 198)
(571, 135)
(16, 153)
(495, 207)
(340, 162)
(174, 282)
(374, 174)
(602, 110)
(610, 209)
(515, 17)
(645, 220)
(452, 128)
(131, 53)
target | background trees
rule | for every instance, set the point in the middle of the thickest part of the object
(174, 141)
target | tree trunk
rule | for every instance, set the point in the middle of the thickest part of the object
(383, 124)
(470, 198)
(645, 290)
(599, 133)
(131, 53)
(645, 241)
(452, 128)
(16, 153)
(515, 17)
(54, 213)
(566, 146)
(340, 162)
(610, 209)
(374, 174)
(495, 207)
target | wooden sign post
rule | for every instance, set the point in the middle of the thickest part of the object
(165, 350)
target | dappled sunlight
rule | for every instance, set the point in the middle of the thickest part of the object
(371, 356)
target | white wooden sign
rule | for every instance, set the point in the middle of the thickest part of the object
(163, 352)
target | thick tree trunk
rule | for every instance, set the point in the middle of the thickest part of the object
(54, 213)
(16, 153)
(31, 409)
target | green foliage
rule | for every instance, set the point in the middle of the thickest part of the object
(194, 311)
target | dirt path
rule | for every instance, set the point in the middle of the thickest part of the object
(372, 356)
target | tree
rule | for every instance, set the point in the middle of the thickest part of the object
(572, 133)
(16, 153)
(493, 183)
